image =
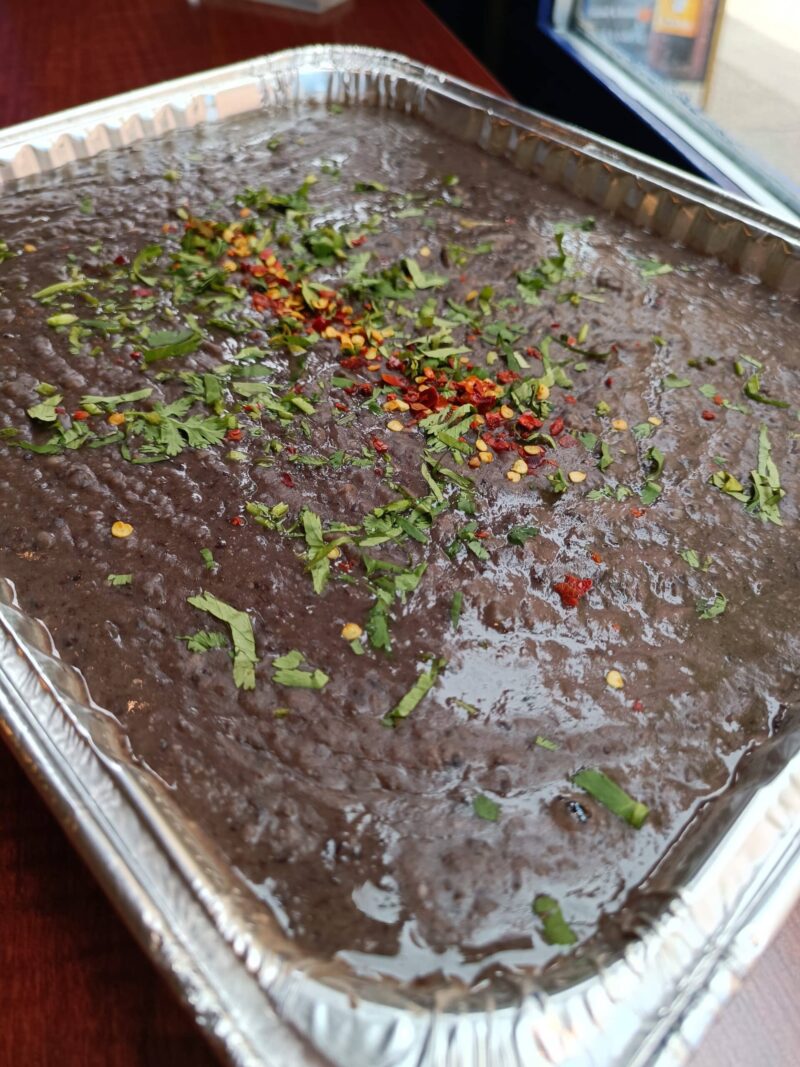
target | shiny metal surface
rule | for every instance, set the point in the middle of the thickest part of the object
(707, 913)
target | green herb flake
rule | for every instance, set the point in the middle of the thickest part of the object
(46, 411)
(610, 795)
(205, 641)
(544, 742)
(653, 268)
(673, 381)
(288, 671)
(485, 808)
(688, 555)
(415, 694)
(555, 929)
(119, 579)
(606, 456)
(519, 535)
(752, 390)
(709, 609)
(455, 608)
(244, 643)
(207, 557)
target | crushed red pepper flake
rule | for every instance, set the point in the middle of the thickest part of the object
(571, 589)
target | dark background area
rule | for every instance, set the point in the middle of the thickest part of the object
(505, 35)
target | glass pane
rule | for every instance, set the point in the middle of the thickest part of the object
(733, 65)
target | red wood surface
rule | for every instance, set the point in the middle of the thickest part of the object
(75, 990)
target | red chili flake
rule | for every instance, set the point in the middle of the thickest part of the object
(318, 324)
(637, 512)
(351, 362)
(506, 376)
(609, 382)
(248, 407)
(365, 389)
(637, 705)
(718, 399)
(393, 363)
(482, 534)
(566, 441)
(533, 352)
(60, 410)
(493, 419)
(571, 589)
(341, 407)
(357, 242)
(597, 557)
(120, 260)
(344, 564)
(527, 423)
(392, 379)
(237, 520)
(80, 415)
(378, 445)
(571, 341)
(140, 291)
(709, 416)
(570, 399)
(498, 444)
(556, 427)
(287, 480)
(234, 435)
(555, 325)
(136, 355)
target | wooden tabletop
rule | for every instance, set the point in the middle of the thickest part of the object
(75, 990)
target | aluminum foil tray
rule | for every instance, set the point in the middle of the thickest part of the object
(730, 883)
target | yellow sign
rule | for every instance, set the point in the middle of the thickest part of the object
(678, 18)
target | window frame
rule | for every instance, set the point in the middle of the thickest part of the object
(668, 119)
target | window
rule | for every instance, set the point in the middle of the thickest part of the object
(723, 75)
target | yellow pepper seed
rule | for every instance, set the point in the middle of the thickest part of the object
(373, 366)
(481, 445)
(29, 248)
(116, 418)
(425, 251)
(533, 450)
(395, 425)
(619, 424)
(474, 461)
(512, 476)
(351, 631)
(487, 457)
(615, 680)
(334, 553)
(507, 412)
(543, 392)
(654, 420)
(471, 295)
(121, 529)
(520, 466)
(577, 476)
(401, 405)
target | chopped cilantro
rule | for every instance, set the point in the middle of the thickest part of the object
(244, 644)
(288, 671)
(412, 698)
(204, 641)
(611, 796)
(518, 535)
(693, 559)
(709, 609)
(673, 381)
(119, 579)
(455, 608)
(555, 929)
(485, 808)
